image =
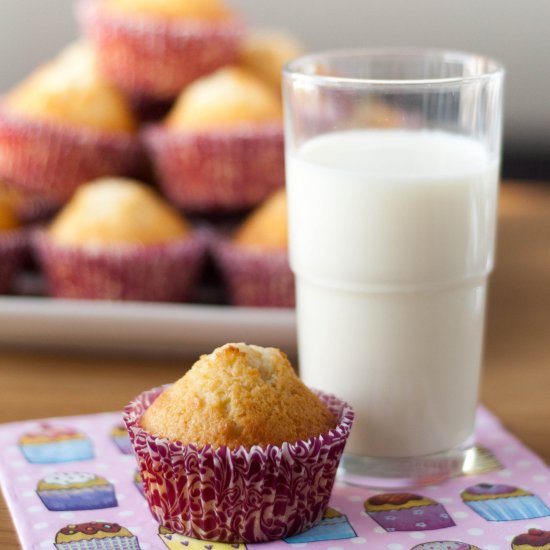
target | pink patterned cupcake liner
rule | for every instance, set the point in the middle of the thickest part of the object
(239, 495)
(218, 170)
(13, 251)
(154, 273)
(52, 159)
(254, 276)
(157, 58)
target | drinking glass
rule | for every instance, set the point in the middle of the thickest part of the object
(392, 178)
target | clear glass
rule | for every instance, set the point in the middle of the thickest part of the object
(392, 176)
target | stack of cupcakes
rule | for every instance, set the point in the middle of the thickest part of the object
(175, 94)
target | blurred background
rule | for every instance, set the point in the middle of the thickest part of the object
(32, 31)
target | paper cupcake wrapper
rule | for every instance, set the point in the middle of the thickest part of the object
(510, 509)
(13, 251)
(218, 170)
(52, 159)
(157, 58)
(240, 495)
(254, 276)
(153, 273)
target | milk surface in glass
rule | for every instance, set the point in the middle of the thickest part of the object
(391, 241)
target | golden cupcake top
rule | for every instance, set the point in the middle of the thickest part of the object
(267, 226)
(117, 211)
(69, 90)
(229, 96)
(171, 9)
(238, 395)
(265, 52)
(8, 216)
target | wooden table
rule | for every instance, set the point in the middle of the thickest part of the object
(516, 379)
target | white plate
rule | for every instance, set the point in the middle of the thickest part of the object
(167, 329)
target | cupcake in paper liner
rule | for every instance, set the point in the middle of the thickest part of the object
(534, 539)
(333, 526)
(254, 260)
(261, 468)
(175, 541)
(65, 491)
(65, 125)
(154, 48)
(496, 502)
(445, 545)
(221, 146)
(118, 240)
(95, 535)
(29, 207)
(407, 512)
(13, 245)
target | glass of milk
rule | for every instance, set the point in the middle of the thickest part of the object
(392, 177)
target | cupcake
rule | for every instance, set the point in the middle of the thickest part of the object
(333, 526)
(254, 261)
(55, 444)
(495, 502)
(175, 541)
(29, 206)
(238, 450)
(13, 244)
(61, 492)
(407, 512)
(264, 52)
(118, 240)
(65, 125)
(119, 435)
(534, 539)
(95, 535)
(221, 146)
(445, 545)
(154, 48)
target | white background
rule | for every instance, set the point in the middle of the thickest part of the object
(517, 32)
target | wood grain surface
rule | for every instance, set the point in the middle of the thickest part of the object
(516, 378)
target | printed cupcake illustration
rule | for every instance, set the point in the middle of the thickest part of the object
(138, 483)
(504, 502)
(95, 535)
(534, 539)
(175, 541)
(445, 545)
(75, 491)
(55, 444)
(333, 526)
(120, 436)
(407, 512)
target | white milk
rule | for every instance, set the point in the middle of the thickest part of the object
(391, 241)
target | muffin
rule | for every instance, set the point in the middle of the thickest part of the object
(154, 48)
(255, 451)
(254, 261)
(497, 502)
(265, 51)
(13, 244)
(221, 146)
(116, 239)
(64, 125)
(28, 206)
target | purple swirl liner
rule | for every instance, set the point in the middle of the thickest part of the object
(165, 272)
(218, 170)
(239, 495)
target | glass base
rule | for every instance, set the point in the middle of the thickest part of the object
(394, 473)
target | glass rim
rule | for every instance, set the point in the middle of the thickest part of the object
(295, 69)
